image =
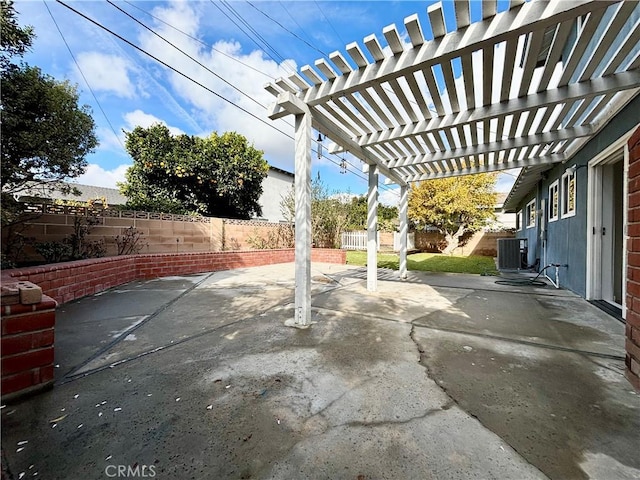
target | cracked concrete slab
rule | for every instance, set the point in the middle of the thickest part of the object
(213, 385)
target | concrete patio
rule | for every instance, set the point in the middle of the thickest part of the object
(440, 376)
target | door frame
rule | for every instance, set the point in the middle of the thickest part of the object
(594, 214)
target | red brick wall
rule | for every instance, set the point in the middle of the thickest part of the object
(71, 280)
(27, 347)
(632, 343)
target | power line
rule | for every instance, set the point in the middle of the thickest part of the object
(131, 44)
(186, 54)
(103, 27)
(231, 57)
(329, 22)
(82, 74)
(289, 31)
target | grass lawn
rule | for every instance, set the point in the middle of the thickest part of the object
(429, 262)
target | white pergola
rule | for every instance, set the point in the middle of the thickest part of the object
(523, 88)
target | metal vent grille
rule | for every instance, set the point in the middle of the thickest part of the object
(510, 252)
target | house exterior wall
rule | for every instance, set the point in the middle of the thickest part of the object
(275, 186)
(632, 343)
(566, 238)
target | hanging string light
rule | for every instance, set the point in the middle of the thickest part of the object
(343, 165)
(319, 140)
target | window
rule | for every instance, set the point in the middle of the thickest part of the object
(569, 193)
(530, 212)
(554, 202)
(519, 220)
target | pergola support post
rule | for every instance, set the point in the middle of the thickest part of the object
(302, 186)
(404, 229)
(372, 230)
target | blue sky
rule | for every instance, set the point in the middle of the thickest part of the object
(130, 89)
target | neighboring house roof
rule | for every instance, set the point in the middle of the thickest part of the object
(279, 170)
(87, 192)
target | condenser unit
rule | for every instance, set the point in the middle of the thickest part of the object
(512, 253)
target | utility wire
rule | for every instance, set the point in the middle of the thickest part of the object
(186, 54)
(131, 44)
(294, 20)
(330, 24)
(289, 31)
(83, 75)
(230, 57)
(103, 27)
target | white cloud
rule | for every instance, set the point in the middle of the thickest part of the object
(99, 177)
(245, 74)
(108, 73)
(138, 118)
(389, 197)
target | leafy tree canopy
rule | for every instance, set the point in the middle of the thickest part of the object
(220, 175)
(15, 40)
(45, 134)
(387, 216)
(454, 205)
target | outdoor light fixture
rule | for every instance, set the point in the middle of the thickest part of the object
(343, 165)
(319, 140)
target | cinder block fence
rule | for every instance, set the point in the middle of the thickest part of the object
(28, 329)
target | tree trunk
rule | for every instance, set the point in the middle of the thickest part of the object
(453, 239)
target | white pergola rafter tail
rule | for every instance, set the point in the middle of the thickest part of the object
(508, 144)
(518, 21)
(587, 89)
(496, 167)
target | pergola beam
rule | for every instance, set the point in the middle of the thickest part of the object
(496, 167)
(508, 144)
(588, 89)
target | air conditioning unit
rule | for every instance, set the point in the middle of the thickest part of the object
(512, 253)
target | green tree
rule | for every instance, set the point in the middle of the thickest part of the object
(15, 40)
(454, 206)
(220, 175)
(45, 134)
(329, 215)
(387, 216)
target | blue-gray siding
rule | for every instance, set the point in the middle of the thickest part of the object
(567, 237)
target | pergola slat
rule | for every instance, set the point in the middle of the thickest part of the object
(555, 52)
(579, 48)
(463, 17)
(392, 36)
(356, 54)
(621, 16)
(412, 24)
(436, 18)
(340, 62)
(373, 45)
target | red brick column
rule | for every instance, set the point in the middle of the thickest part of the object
(632, 344)
(28, 322)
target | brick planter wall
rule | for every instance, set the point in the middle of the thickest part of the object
(71, 280)
(27, 347)
(632, 344)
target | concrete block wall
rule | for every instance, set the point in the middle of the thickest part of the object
(68, 281)
(161, 233)
(632, 342)
(27, 347)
